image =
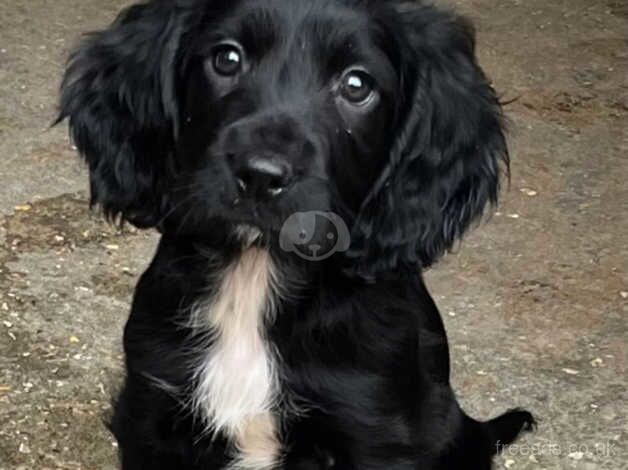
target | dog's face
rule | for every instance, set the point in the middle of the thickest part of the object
(205, 115)
(287, 107)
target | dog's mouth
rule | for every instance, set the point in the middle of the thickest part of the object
(213, 215)
(270, 214)
(259, 215)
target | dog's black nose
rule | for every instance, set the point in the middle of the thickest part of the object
(261, 177)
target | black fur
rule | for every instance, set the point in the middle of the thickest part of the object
(361, 342)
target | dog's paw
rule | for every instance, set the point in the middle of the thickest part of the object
(507, 427)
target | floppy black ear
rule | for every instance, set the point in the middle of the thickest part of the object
(444, 163)
(118, 93)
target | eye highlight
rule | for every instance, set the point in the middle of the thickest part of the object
(228, 60)
(357, 86)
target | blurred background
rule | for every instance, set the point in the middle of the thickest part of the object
(535, 300)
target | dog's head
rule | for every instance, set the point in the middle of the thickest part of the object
(195, 115)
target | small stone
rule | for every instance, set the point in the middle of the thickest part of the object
(481, 372)
(576, 455)
(597, 362)
(513, 216)
(74, 339)
(529, 192)
(624, 294)
(533, 458)
(24, 449)
(566, 370)
(451, 314)
(112, 247)
(509, 463)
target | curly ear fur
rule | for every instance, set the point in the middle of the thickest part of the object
(444, 164)
(119, 95)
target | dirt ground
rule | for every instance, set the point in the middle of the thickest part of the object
(535, 301)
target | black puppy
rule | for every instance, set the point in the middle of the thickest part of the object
(217, 121)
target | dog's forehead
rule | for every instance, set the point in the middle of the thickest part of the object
(296, 12)
(330, 22)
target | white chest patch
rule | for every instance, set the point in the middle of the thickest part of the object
(237, 378)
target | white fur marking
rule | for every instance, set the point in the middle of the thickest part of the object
(237, 382)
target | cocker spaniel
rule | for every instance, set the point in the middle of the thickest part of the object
(304, 161)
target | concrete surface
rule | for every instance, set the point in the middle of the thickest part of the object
(535, 301)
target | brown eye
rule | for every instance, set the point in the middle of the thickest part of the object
(227, 60)
(357, 86)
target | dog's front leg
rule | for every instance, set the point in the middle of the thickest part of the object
(143, 443)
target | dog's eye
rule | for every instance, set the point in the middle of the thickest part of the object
(357, 86)
(228, 60)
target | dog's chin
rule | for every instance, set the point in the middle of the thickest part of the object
(228, 227)
(249, 235)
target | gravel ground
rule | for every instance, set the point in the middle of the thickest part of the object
(535, 301)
